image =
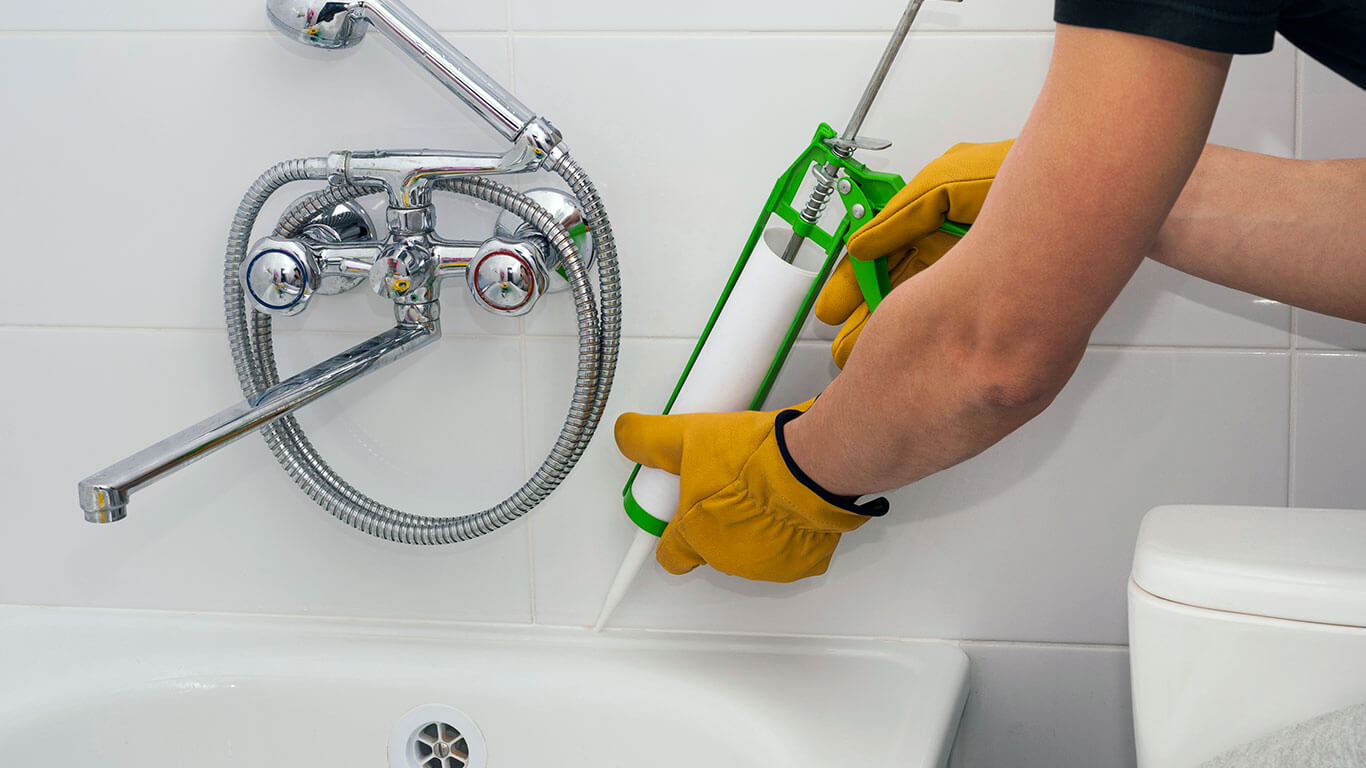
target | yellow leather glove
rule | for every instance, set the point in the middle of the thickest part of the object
(952, 187)
(745, 508)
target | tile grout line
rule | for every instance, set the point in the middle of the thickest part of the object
(959, 642)
(557, 33)
(1297, 126)
(762, 33)
(367, 333)
(509, 50)
(1292, 425)
(466, 624)
(203, 32)
(526, 471)
(804, 342)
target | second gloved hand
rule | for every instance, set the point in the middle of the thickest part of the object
(954, 187)
(745, 508)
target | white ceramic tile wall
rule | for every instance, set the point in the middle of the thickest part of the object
(1082, 693)
(1332, 113)
(1330, 430)
(1316, 331)
(1191, 393)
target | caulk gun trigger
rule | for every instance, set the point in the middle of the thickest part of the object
(859, 142)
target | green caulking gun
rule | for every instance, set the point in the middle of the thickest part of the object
(729, 373)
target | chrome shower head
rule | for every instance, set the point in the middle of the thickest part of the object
(324, 25)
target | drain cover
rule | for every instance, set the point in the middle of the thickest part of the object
(436, 736)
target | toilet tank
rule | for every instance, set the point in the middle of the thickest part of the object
(1242, 620)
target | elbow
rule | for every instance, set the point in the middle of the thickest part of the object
(1024, 392)
(1022, 381)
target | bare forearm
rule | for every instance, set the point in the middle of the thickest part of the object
(1290, 230)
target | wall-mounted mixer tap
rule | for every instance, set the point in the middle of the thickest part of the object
(326, 244)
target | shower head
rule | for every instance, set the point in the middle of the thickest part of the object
(324, 25)
(341, 25)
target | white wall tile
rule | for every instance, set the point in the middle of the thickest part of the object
(142, 155)
(438, 433)
(1162, 306)
(713, 121)
(1029, 541)
(580, 533)
(775, 15)
(231, 532)
(1330, 431)
(1316, 331)
(242, 15)
(1038, 706)
(1257, 111)
(1332, 111)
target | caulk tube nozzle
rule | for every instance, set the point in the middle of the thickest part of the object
(651, 497)
(641, 547)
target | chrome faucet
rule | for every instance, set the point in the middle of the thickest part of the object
(326, 244)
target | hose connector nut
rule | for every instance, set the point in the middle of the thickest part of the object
(279, 275)
(506, 276)
(541, 136)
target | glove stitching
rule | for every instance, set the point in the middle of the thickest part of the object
(784, 515)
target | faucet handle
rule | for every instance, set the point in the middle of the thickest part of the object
(279, 275)
(506, 276)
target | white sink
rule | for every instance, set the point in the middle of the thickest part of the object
(126, 689)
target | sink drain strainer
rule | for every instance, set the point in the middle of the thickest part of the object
(436, 736)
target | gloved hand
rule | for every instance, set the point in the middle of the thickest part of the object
(952, 187)
(745, 507)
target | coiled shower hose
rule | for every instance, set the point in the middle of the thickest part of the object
(249, 334)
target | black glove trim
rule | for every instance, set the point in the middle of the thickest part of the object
(875, 508)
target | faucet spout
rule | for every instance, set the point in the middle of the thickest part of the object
(104, 495)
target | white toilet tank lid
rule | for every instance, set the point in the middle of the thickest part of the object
(1277, 562)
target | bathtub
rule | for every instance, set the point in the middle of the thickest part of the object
(144, 689)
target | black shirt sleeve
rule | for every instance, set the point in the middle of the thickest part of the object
(1226, 26)
(1331, 31)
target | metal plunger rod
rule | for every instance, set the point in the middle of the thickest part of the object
(825, 186)
(883, 66)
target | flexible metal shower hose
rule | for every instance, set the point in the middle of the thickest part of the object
(599, 334)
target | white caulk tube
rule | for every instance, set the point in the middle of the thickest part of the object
(727, 373)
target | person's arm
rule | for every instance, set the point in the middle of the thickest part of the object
(1289, 230)
(981, 342)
